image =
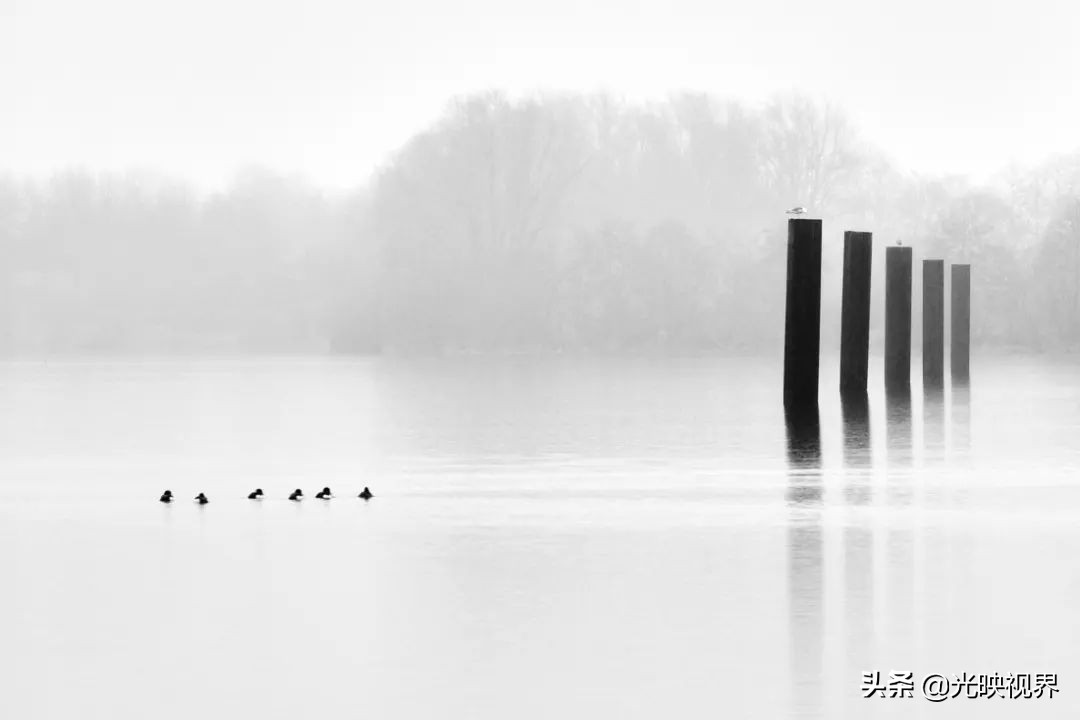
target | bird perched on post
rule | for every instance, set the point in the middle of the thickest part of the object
(796, 210)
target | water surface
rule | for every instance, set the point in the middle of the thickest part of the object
(550, 538)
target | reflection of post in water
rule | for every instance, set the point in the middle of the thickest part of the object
(899, 548)
(933, 423)
(898, 437)
(898, 426)
(859, 597)
(805, 561)
(960, 430)
(858, 536)
(899, 588)
(855, 408)
(803, 426)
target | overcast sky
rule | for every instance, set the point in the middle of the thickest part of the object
(328, 88)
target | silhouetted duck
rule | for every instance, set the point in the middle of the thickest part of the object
(296, 494)
(366, 494)
(323, 494)
(201, 498)
(166, 497)
(256, 495)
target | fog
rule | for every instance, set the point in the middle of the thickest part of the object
(554, 222)
(328, 88)
(229, 176)
(517, 269)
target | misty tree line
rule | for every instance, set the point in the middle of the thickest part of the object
(548, 223)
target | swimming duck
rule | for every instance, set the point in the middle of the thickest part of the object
(256, 495)
(366, 494)
(296, 494)
(166, 497)
(201, 498)
(323, 494)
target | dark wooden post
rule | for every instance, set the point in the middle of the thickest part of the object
(855, 313)
(933, 323)
(897, 318)
(802, 331)
(960, 350)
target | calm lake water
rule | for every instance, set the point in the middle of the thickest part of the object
(549, 539)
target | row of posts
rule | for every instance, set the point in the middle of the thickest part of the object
(802, 331)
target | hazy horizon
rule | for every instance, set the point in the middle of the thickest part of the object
(525, 288)
(609, 177)
(203, 91)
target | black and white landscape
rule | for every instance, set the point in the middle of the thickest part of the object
(515, 283)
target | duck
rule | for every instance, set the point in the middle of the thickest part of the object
(296, 495)
(201, 497)
(365, 493)
(166, 497)
(256, 495)
(323, 494)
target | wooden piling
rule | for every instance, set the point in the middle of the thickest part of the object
(897, 318)
(802, 331)
(960, 323)
(933, 323)
(855, 313)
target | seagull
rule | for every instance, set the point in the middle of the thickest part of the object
(796, 210)
(898, 243)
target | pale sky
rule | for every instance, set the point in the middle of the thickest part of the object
(328, 88)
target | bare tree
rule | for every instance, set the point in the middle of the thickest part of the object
(808, 151)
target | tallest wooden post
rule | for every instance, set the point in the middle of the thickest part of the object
(802, 325)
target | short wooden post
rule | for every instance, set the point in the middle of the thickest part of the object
(933, 323)
(960, 350)
(855, 313)
(897, 318)
(802, 331)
